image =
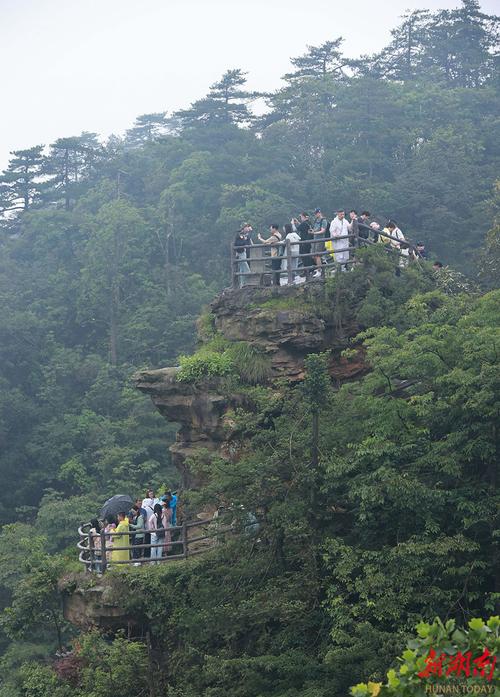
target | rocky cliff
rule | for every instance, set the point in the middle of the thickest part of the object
(286, 324)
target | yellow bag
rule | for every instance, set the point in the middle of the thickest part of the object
(329, 248)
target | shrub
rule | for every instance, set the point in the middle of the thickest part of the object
(205, 326)
(204, 364)
(251, 363)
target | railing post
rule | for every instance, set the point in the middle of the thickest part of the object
(234, 278)
(92, 551)
(185, 539)
(289, 261)
(104, 559)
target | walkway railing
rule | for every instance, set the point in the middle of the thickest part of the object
(96, 550)
(293, 262)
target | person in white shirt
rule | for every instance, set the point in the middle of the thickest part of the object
(149, 502)
(339, 227)
(396, 241)
(157, 532)
(294, 238)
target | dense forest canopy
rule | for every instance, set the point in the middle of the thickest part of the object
(108, 253)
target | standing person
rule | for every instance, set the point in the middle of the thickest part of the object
(339, 227)
(396, 239)
(148, 504)
(142, 511)
(397, 242)
(396, 236)
(293, 237)
(364, 225)
(95, 532)
(138, 525)
(354, 226)
(319, 230)
(274, 240)
(108, 530)
(155, 527)
(304, 230)
(241, 247)
(375, 227)
(149, 501)
(166, 518)
(171, 499)
(120, 539)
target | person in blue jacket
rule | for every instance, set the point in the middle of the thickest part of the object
(172, 504)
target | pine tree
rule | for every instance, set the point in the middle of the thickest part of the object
(70, 160)
(462, 45)
(226, 103)
(321, 61)
(402, 58)
(20, 182)
(147, 128)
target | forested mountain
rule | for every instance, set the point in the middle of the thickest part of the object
(110, 250)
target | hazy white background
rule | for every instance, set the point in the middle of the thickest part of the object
(94, 65)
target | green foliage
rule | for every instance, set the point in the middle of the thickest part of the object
(109, 668)
(204, 364)
(251, 362)
(205, 326)
(317, 381)
(222, 358)
(37, 680)
(30, 575)
(490, 255)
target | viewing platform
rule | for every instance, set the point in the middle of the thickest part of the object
(288, 263)
(186, 540)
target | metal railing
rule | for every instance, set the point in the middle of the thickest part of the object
(96, 551)
(298, 266)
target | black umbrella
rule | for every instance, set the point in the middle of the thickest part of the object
(116, 504)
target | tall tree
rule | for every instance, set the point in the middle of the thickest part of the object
(321, 61)
(70, 160)
(226, 103)
(111, 274)
(146, 128)
(316, 387)
(402, 58)
(20, 183)
(463, 45)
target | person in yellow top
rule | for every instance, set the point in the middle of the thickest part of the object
(121, 540)
(396, 236)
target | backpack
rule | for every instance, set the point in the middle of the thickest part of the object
(160, 530)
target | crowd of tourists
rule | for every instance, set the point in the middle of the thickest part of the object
(317, 245)
(146, 527)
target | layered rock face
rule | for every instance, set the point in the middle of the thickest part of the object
(88, 603)
(287, 324)
(199, 409)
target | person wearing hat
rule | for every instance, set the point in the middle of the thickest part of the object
(241, 244)
(319, 230)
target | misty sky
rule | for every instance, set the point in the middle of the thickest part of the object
(94, 65)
